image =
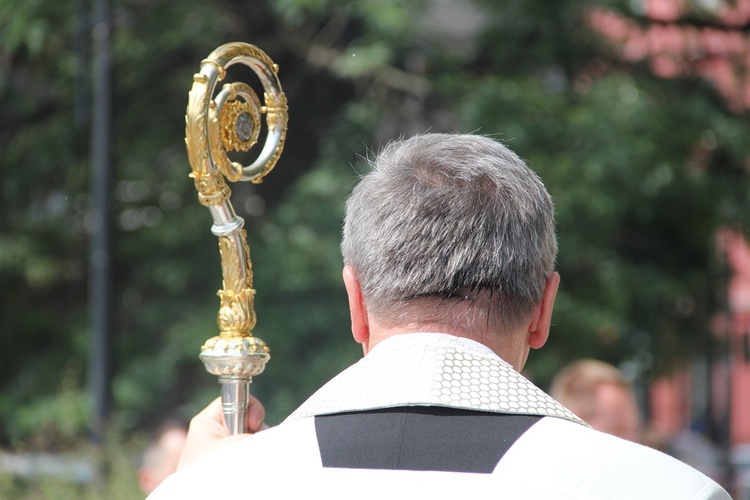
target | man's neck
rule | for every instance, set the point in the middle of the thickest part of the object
(509, 346)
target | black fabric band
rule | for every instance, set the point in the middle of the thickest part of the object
(418, 438)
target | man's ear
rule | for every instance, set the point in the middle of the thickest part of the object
(357, 309)
(538, 332)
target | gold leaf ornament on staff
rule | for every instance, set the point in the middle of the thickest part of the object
(218, 123)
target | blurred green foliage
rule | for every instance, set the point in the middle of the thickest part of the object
(643, 172)
(116, 460)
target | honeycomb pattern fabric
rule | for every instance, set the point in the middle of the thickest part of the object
(430, 369)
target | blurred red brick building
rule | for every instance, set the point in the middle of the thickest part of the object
(717, 49)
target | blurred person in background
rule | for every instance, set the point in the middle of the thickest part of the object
(600, 395)
(161, 455)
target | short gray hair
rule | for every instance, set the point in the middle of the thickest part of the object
(450, 217)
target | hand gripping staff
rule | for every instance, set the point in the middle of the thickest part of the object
(218, 123)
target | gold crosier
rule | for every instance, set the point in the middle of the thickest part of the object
(218, 123)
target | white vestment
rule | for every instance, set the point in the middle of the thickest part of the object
(555, 457)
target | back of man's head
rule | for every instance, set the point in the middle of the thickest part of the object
(446, 220)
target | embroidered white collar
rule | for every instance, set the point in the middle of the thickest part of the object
(432, 369)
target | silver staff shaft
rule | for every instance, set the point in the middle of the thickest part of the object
(234, 394)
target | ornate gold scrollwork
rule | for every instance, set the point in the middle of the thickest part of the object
(236, 314)
(217, 123)
(231, 120)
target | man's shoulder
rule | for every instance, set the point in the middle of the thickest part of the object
(561, 438)
(565, 456)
